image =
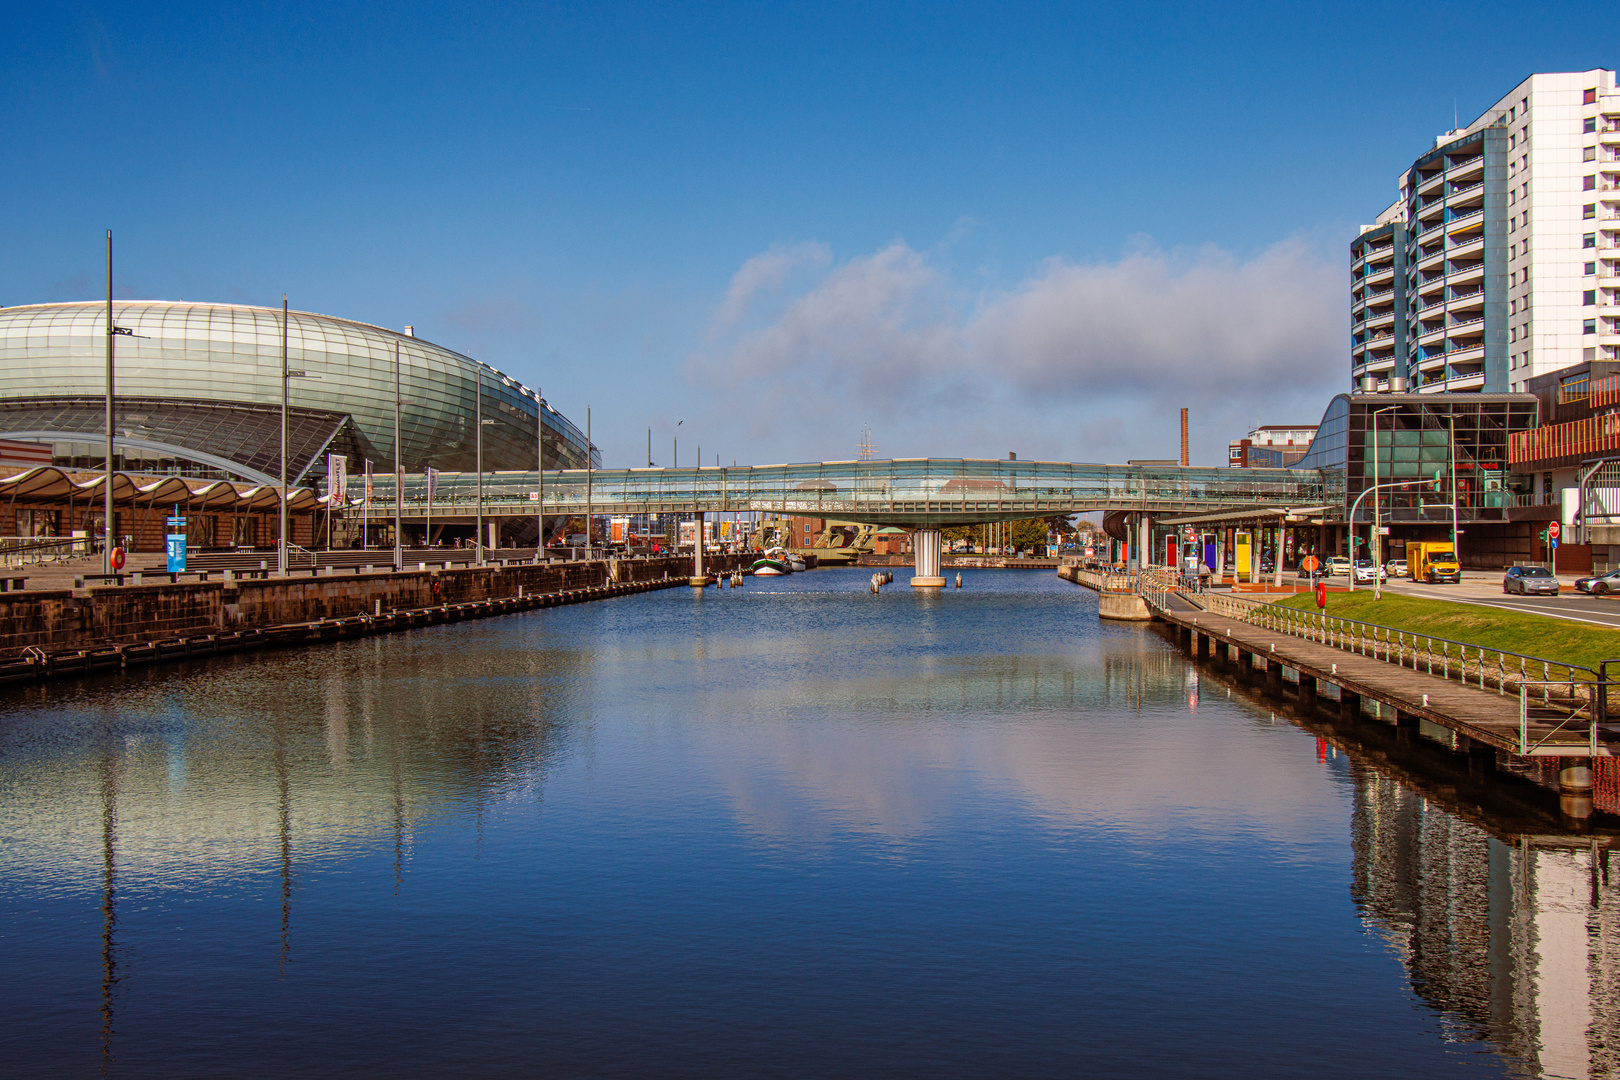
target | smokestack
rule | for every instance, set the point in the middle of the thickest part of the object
(1184, 436)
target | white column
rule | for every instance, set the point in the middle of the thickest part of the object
(697, 554)
(925, 551)
(1277, 555)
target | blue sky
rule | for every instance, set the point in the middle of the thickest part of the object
(975, 228)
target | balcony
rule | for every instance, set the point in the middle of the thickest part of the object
(1433, 311)
(1430, 231)
(1460, 323)
(1432, 337)
(1380, 276)
(1466, 354)
(1375, 321)
(1475, 272)
(1431, 260)
(1466, 170)
(1433, 183)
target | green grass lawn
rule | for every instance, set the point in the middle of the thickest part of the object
(1555, 639)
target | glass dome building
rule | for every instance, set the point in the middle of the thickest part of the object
(198, 393)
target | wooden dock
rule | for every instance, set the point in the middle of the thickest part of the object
(1479, 721)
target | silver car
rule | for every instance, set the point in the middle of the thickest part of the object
(1530, 581)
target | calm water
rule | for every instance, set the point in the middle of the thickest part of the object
(787, 830)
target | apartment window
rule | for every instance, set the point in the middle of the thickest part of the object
(1589, 298)
(1590, 154)
(1589, 240)
(1589, 210)
(1591, 268)
(1512, 115)
(1513, 334)
(1524, 105)
(1590, 125)
(1589, 326)
(1513, 307)
(1589, 184)
(1589, 97)
(1513, 142)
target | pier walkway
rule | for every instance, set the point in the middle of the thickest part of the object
(1520, 715)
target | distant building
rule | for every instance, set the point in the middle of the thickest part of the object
(1271, 446)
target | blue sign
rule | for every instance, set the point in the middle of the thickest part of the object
(175, 522)
(177, 551)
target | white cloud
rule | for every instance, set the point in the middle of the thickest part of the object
(768, 270)
(1074, 354)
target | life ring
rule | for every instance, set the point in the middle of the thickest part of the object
(118, 558)
(435, 586)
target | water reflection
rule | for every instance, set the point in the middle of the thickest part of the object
(1517, 935)
(821, 833)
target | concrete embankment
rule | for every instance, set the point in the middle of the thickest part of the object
(48, 629)
(1116, 599)
(965, 562)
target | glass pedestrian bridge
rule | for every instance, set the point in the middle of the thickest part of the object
(910, 492)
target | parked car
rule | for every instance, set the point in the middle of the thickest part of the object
(1599, 584)
(1365, 570)
(1530, 580)
(1337, 566)
(1395, 568)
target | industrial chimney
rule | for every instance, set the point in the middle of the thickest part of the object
(1184, 437)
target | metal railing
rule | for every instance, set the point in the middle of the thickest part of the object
(32, 550)
(1472, 665)
(1568, 715)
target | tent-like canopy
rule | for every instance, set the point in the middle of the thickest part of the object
(49, 484)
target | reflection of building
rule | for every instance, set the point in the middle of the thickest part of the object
(199, 394)
(1491, 267)
(1520, 938)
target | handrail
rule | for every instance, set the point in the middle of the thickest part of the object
(1582, 686)
(1392, 645)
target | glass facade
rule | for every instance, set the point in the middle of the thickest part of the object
(1424, 448)
(222, 353)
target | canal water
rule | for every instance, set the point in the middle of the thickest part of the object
(792, 829)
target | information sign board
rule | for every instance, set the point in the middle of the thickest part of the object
(177, 551)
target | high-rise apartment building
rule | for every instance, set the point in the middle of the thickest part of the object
(1501, 259)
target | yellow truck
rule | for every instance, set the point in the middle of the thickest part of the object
(1433, 563)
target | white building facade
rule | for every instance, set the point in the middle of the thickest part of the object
(1501, 259)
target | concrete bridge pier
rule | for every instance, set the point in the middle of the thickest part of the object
(926, 554)
(698, 580)
(1575, 787)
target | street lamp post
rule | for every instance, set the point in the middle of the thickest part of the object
(281, 536)
(540, 474)
(107, 494)
(1355, 506)
(589, 478)
(1375, 545)
(399, 472)
(479, 414)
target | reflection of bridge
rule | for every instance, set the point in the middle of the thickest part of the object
(918, 493)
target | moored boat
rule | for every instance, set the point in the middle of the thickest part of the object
(768, 567)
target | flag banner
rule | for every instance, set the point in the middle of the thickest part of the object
(337, 478)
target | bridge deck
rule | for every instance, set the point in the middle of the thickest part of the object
(1484, 716)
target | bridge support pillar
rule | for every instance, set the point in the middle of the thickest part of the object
(1349, 705)
(1575, 787)
(1202, 643)
(925, 553)
(1307, 689)
(698, 580)
(1274, 679)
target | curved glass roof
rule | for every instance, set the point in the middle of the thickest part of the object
(195, 352)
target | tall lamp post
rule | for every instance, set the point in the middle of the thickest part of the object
(1375, 546)
(540, 474)
(107, 483)
(479, 414)
(399, 472)
(281, 534)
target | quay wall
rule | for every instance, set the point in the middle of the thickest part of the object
(110, 614)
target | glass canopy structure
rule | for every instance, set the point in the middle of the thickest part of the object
(911, 492)
(199, 393)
